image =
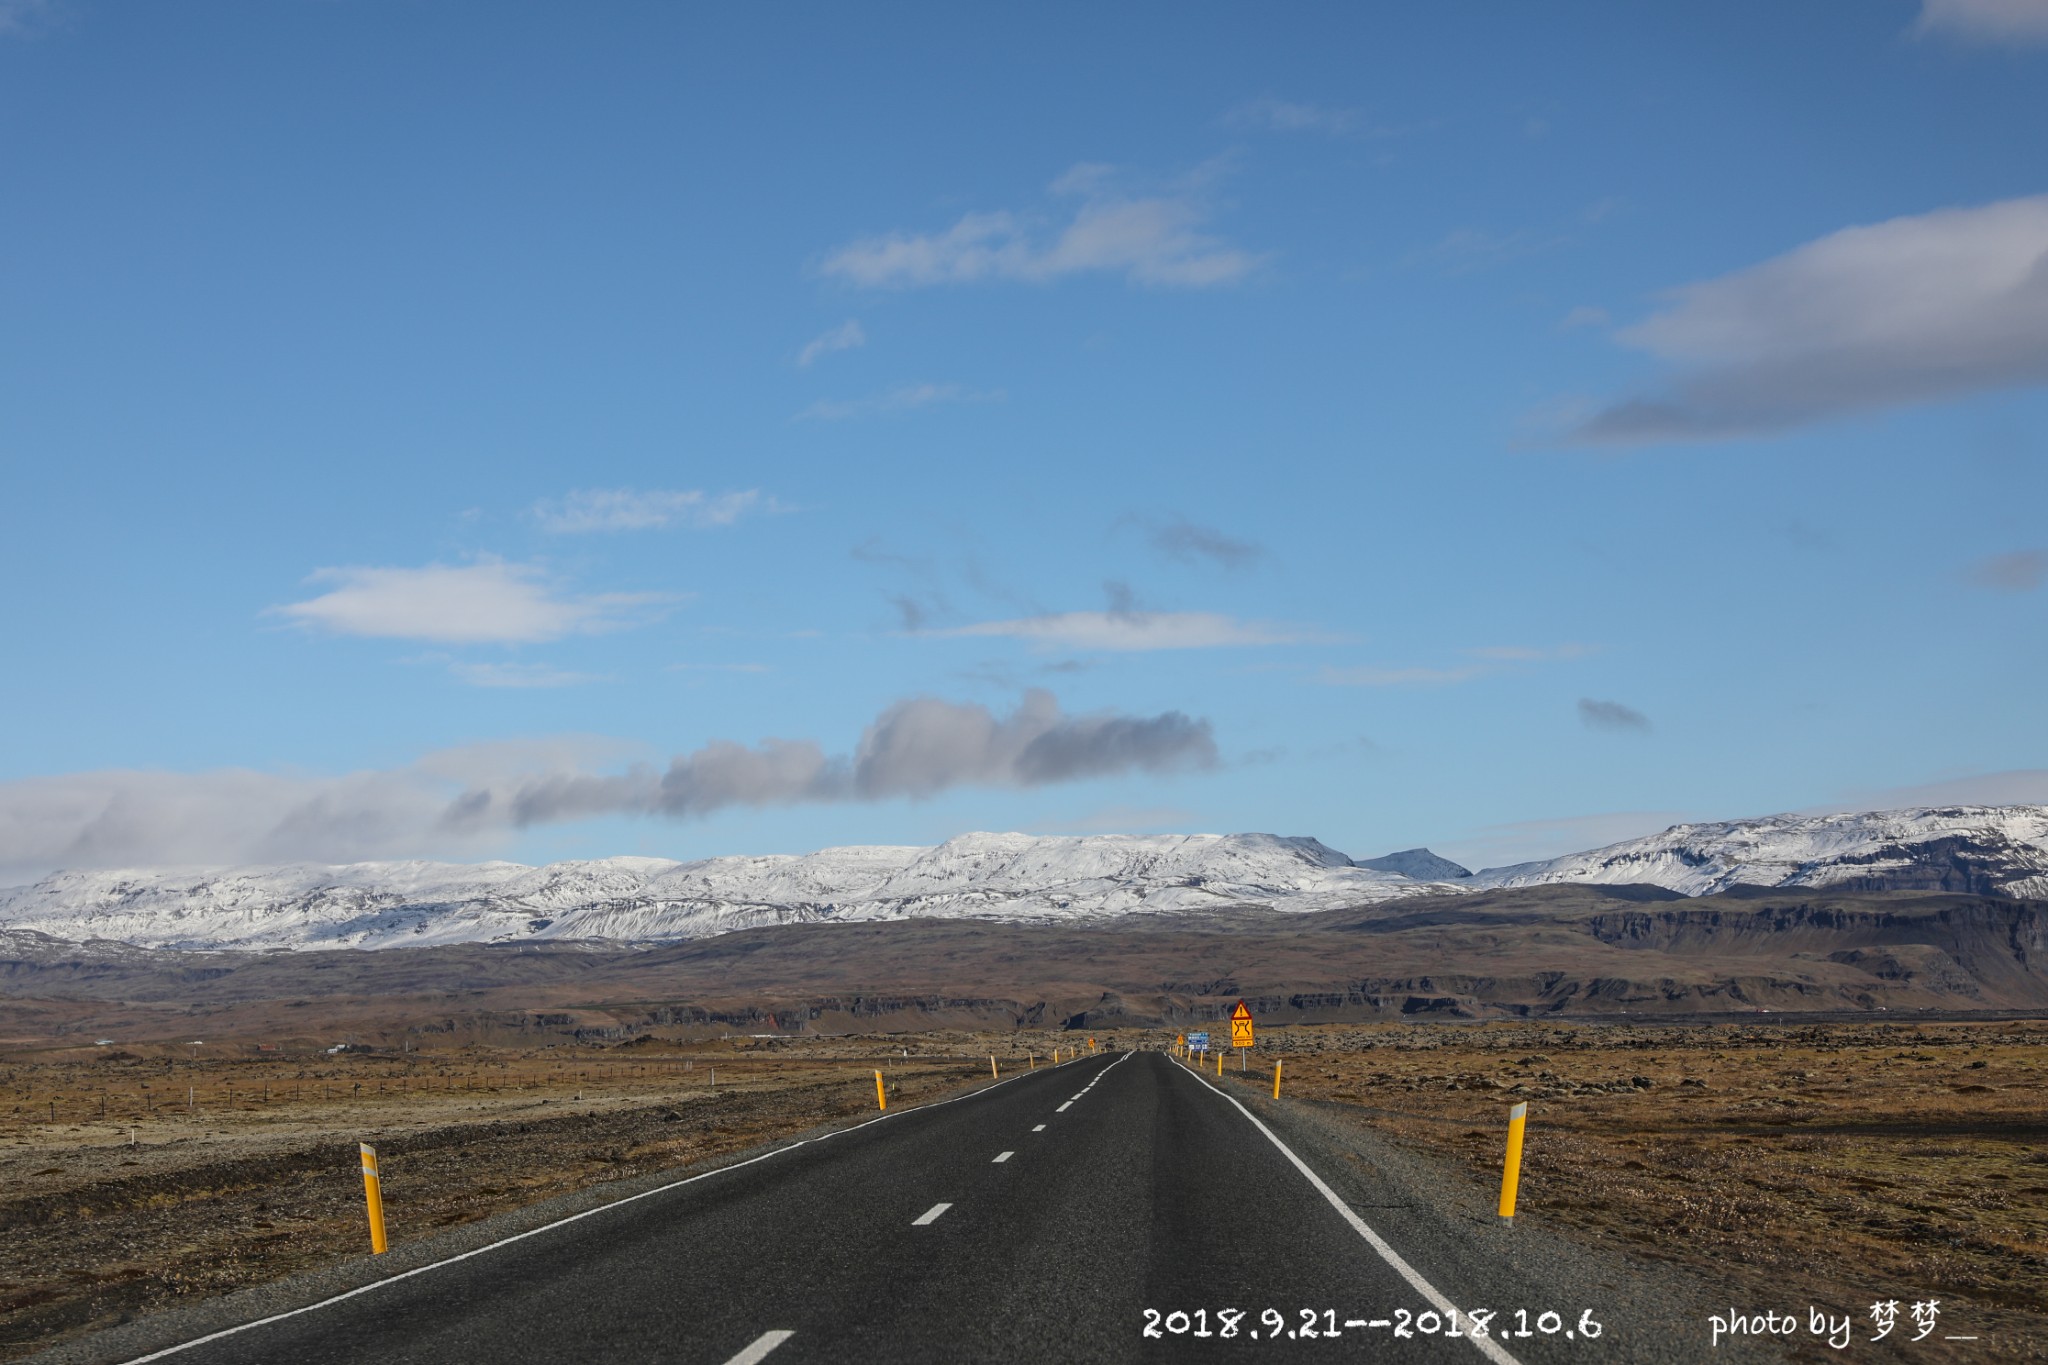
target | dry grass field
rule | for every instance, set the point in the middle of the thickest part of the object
(1836, 1164)
(132, 1178)
(1839, 1164)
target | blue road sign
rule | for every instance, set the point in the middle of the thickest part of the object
(1199, 1042)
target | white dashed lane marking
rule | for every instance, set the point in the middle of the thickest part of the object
(1064, 1108)
(930, 1215)
(1002, 1157)
(1039, 1129)
(758, 1352)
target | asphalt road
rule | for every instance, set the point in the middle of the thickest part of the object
(1067, 1214)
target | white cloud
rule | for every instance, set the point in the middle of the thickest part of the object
(1585, 315)
(519, 675)
(471, 799)
(1991, 21)
(1153, 239)
(649, 509)
(489, 601)
(1134, 630)
(1904, 311)
(846, 336)
(902, 399)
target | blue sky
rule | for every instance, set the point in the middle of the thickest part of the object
(437, 429)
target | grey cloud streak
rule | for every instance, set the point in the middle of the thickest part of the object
(461, 802)
(917, 748)
(1610, 715)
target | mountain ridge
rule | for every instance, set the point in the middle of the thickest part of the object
(1016, 878)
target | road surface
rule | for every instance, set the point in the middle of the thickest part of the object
(1115, 1208)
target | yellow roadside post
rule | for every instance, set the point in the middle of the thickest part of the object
(1031, 1061)
(992, 1067)
(373, 1195)
(881, 1095)
(1219, 1066)
(1276, 1078)
(1511, 1172)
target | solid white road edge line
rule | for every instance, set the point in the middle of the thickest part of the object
(758, 1352)
(572, 1218)
(929, 1216)
(1486, 1346)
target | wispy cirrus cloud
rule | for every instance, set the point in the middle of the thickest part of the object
(2016, 22)
(22, 18)
(472, 799)
(1909, 310)
(906, 398)
(1127, 629)
(2013, 787)
(1530, 654)
(847, 336)
(1465, 250)
(1368, 675)
(520, 675)
(1488, 659)
(1151, 239)
(721, 668)
(2015, 571)
(646, 509)
(1288, 116)
(486, 602)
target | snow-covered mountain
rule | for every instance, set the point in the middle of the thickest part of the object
(1418, 863)
(1988, 850)
(994, 876)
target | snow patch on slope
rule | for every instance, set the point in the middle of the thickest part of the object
(992, 876)
(1988, 850)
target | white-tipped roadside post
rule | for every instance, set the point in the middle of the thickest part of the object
(1511, 1170)
(881, 1095)
(373, 1194)
(1276, 1078)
